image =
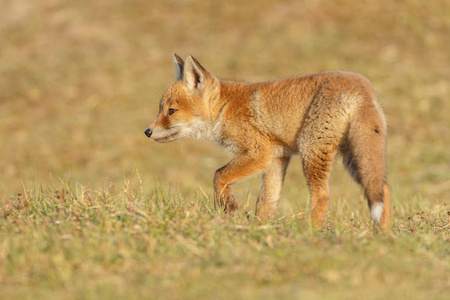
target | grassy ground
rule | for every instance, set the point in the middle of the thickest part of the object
(81, 80)
(75, 243)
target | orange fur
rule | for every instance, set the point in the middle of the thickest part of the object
(264, 124)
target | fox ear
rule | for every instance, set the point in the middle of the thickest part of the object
(179, 66)
(194, 74)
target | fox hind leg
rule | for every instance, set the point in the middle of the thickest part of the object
(316, 168)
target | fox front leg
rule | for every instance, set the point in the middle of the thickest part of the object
(223, 193)
(239, 168)
(271, 184)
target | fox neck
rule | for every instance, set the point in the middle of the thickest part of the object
(219, 103)
(229, 91)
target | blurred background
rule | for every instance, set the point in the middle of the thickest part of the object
(80, 81)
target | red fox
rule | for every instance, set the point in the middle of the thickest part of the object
(264, 124)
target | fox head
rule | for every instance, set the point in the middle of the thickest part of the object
(185, 109)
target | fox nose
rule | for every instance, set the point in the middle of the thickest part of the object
(148, 132)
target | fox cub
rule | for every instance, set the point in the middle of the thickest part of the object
(263, 124)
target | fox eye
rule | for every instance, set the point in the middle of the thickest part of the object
(172, 111)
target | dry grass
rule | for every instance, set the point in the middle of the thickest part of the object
(76, 243)
(81, 80)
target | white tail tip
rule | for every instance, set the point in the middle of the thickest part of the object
(376, 211)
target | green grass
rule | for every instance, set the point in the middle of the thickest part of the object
(128, 243)
(81, 80)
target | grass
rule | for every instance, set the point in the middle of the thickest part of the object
(81, 80)
(128, 243)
